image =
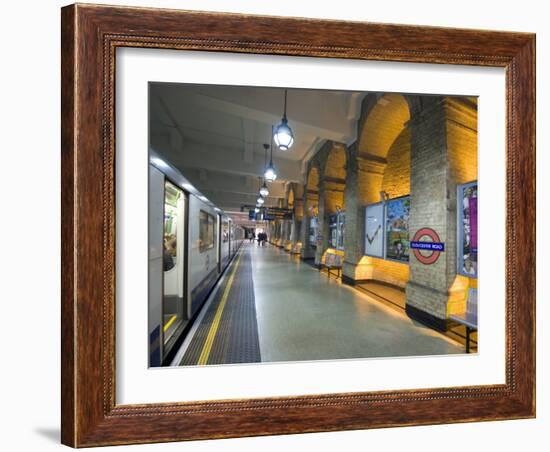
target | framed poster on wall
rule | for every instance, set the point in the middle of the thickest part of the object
(341, 230)
(333, 230)
(313, 231)
(397, 229)
(109, 395)
(374, 230)
(467, 229)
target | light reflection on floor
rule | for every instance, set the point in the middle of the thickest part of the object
(304, 315)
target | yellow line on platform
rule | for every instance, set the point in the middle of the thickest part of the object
(167, 324)
(207, 347)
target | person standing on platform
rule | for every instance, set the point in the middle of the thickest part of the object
(262, 238)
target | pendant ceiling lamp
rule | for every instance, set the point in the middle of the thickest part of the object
(283, 136)
(264, 190)
(270, 175)
(260, 199)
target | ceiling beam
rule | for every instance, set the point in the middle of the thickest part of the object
(248, 134)
(255, 113)
(215, 158)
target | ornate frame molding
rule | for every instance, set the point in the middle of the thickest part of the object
(90, 37)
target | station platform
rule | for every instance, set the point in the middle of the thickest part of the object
(271, 307)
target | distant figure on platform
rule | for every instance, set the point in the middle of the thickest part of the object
(252, 237)
(262, 238)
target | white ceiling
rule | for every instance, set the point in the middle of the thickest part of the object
(215, 134)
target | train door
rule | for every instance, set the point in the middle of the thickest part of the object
(174, 299)
(156, 247)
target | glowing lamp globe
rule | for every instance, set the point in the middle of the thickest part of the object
(283, 136)
(270, 174)
(264, 191)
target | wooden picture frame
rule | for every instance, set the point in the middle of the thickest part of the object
(90, 36)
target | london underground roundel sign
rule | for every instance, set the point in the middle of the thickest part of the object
(427, 251)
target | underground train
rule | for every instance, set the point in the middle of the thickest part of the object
(191, 243)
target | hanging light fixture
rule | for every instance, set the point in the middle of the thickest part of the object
(260, 199)
(283, 136)
(270, 175)
(264, 190)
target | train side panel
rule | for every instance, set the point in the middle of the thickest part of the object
(156, 212)
(203, 252)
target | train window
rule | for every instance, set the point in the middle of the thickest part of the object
(172, 196)
(206, 231)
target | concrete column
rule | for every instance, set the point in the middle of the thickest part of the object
(286, 234)
(305, 227)
(433, 205)
(307, 252)
(323, 229)
(294, 229)
(278, 233)
(297, 221)
(362, 174)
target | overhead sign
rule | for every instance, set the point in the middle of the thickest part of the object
(427, 251)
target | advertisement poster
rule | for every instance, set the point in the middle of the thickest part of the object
(468, 233)
(313, 231)
(374, 230)
(397, 229)
(341, 231)
(333, 230)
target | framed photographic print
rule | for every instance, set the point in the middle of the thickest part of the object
(207, 160)
(374, 230)
(397, 229)
(467, 232)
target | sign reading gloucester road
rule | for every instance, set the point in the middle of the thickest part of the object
(434, 247)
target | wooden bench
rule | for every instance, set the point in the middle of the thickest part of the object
(468, 318)
(332, 261)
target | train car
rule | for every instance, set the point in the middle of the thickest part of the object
(237, 237)
(191, 243)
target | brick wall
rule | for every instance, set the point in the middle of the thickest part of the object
(443, 154)
(425, 157)
(396, 181)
